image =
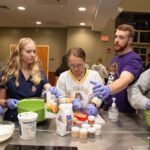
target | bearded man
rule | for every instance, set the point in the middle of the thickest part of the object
(124, 70)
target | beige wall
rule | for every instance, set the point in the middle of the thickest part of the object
(136, 5)
(91, 43)
(59, 40)
(55, 38)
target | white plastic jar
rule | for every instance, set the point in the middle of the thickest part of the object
(91, 132)
(83, 133)
(97, 128)
(75, 131)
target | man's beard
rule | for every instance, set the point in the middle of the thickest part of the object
(120, 48)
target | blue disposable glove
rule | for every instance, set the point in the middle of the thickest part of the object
(12, 103)
(76, 104)
(91, 110)
(1, 111)
(101, 91)
(54, 91)
(148, 104)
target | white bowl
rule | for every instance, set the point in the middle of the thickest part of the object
(6, 130)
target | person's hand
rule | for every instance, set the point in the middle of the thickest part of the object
(1, 111)
(101, 91)
(147, 104)
(54, 91)
(91, 110)
(76, 104)
(12, 103)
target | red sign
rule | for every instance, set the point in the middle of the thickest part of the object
(104, 38)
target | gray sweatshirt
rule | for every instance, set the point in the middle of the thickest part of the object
(139, 92)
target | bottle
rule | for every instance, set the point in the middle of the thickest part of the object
(113, 112)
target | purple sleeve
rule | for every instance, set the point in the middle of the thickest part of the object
(134, 66)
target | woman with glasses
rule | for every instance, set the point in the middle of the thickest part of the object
(75, 83)
(22, 78)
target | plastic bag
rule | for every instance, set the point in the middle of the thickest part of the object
(51, 106)
(64, 119)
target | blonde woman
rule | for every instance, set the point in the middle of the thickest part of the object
(22, 78)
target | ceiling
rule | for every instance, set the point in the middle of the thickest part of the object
(57, 13)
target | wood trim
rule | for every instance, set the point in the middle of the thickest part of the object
(52, 78)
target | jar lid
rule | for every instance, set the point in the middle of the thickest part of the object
(75, 129)
(85, 125)
(83, 130)
(91, 130)
(91, 118)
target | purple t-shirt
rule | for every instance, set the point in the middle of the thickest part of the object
(130, 62)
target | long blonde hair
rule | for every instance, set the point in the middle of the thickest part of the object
(14, 64)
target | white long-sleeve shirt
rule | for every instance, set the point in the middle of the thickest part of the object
(69, 86)
(139, 92)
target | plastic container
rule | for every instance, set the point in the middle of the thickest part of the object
(6, 130)
(91, 120)
(83, 133)
(85, 125)
(27, 124)
(113, 112)
(34, 105)
(75, 131)
(147, 117)
(91, 132)
(97, 129)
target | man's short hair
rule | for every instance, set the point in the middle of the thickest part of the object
(126, 27)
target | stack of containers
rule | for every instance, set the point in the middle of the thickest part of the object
(89, 129)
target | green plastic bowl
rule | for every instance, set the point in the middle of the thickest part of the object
(34, 105)
(147, 117)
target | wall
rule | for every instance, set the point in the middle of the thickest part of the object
(55, 38)
(91, 43)
(59, 40)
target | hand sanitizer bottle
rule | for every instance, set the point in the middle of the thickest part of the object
(113, 112)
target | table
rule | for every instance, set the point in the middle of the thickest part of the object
(129, 130)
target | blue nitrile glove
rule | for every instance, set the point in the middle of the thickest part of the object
(147, 104)
(1, 111)
(12, 103)
(76, 104)
(101, 91)
(91, 110)
(54, 91)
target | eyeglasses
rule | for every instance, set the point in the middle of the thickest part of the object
(76, 66)
(121, 37)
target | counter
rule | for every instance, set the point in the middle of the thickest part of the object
(129, 130)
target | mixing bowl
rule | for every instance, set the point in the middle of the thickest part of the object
(6, 130)
(34, 105)
(147, 117)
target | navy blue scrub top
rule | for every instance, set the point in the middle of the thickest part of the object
(26, 89)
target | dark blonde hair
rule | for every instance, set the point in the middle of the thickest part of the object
(99, 59)
(126, 27)
(78, 52)
(14, 64)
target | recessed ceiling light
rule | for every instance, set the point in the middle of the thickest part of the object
(120, 9)
(21, 8)
(82, 9)
(82, 24)
(38, 22)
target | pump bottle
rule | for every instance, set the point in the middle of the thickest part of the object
(113, 112)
